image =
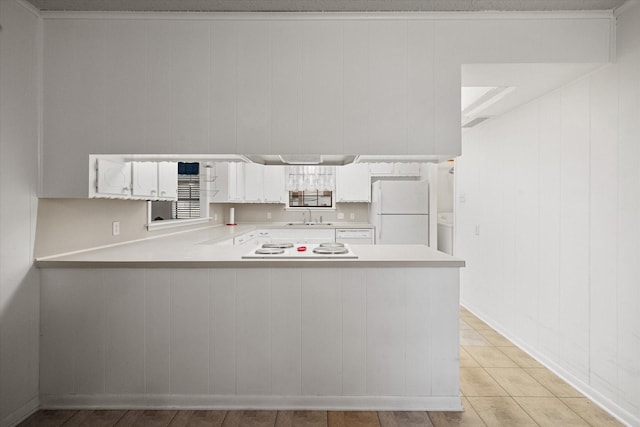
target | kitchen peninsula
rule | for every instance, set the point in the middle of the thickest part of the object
(184, 321)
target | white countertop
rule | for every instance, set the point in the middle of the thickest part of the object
(197, 249)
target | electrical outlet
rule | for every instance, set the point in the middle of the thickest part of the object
(340, 215)
(352, 216)
(115, 228)
(268, 215)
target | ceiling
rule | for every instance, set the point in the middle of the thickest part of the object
(326, 5)
(523, 83)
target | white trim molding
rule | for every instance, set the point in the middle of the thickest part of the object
(206, 401)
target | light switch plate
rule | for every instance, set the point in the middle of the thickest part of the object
(115, 228)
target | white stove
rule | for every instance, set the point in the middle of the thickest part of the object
(301, 251)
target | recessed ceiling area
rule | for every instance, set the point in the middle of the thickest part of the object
(490, 90)
(325, 5)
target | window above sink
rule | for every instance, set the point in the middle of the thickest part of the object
(311, 187)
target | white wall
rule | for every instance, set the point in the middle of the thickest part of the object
(282, 84)
(19, 281)
(555, 190)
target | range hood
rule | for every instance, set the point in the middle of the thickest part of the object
(301, 159)
(341, 159)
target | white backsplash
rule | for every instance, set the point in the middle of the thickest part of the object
(248, 212)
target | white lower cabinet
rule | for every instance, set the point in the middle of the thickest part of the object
(356, 236)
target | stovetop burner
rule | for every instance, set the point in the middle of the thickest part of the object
(270, 251)
(332, 245)
(330, 250)
(278, 245)
(302, 252)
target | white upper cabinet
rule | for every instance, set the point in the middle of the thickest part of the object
(113, 178)
(236, 182)
(353, 183)
(145, 179)
(155, 180)
(248, 183)
(168, 180)
(253, 183)
(136, 180)
(274, 184)
(220, 185)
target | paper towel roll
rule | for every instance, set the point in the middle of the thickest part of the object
(232, 216)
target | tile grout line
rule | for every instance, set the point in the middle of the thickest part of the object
(553, 395)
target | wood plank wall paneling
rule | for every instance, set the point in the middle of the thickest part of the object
(558, 273)
(19, 280)
(179, 334)
(284, 85)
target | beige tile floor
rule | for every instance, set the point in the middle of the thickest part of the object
(500, 386)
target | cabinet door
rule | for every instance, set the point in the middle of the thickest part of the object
(274, 184)
(114, 178)
(145, 180)
(253, 183)
(220, 185)
(353, 183)
(168, 180)
(236, 182)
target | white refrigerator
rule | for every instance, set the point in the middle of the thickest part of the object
(400, 212)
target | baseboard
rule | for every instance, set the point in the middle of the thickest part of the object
(21, 414)
(173, 401)
(589, 392)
